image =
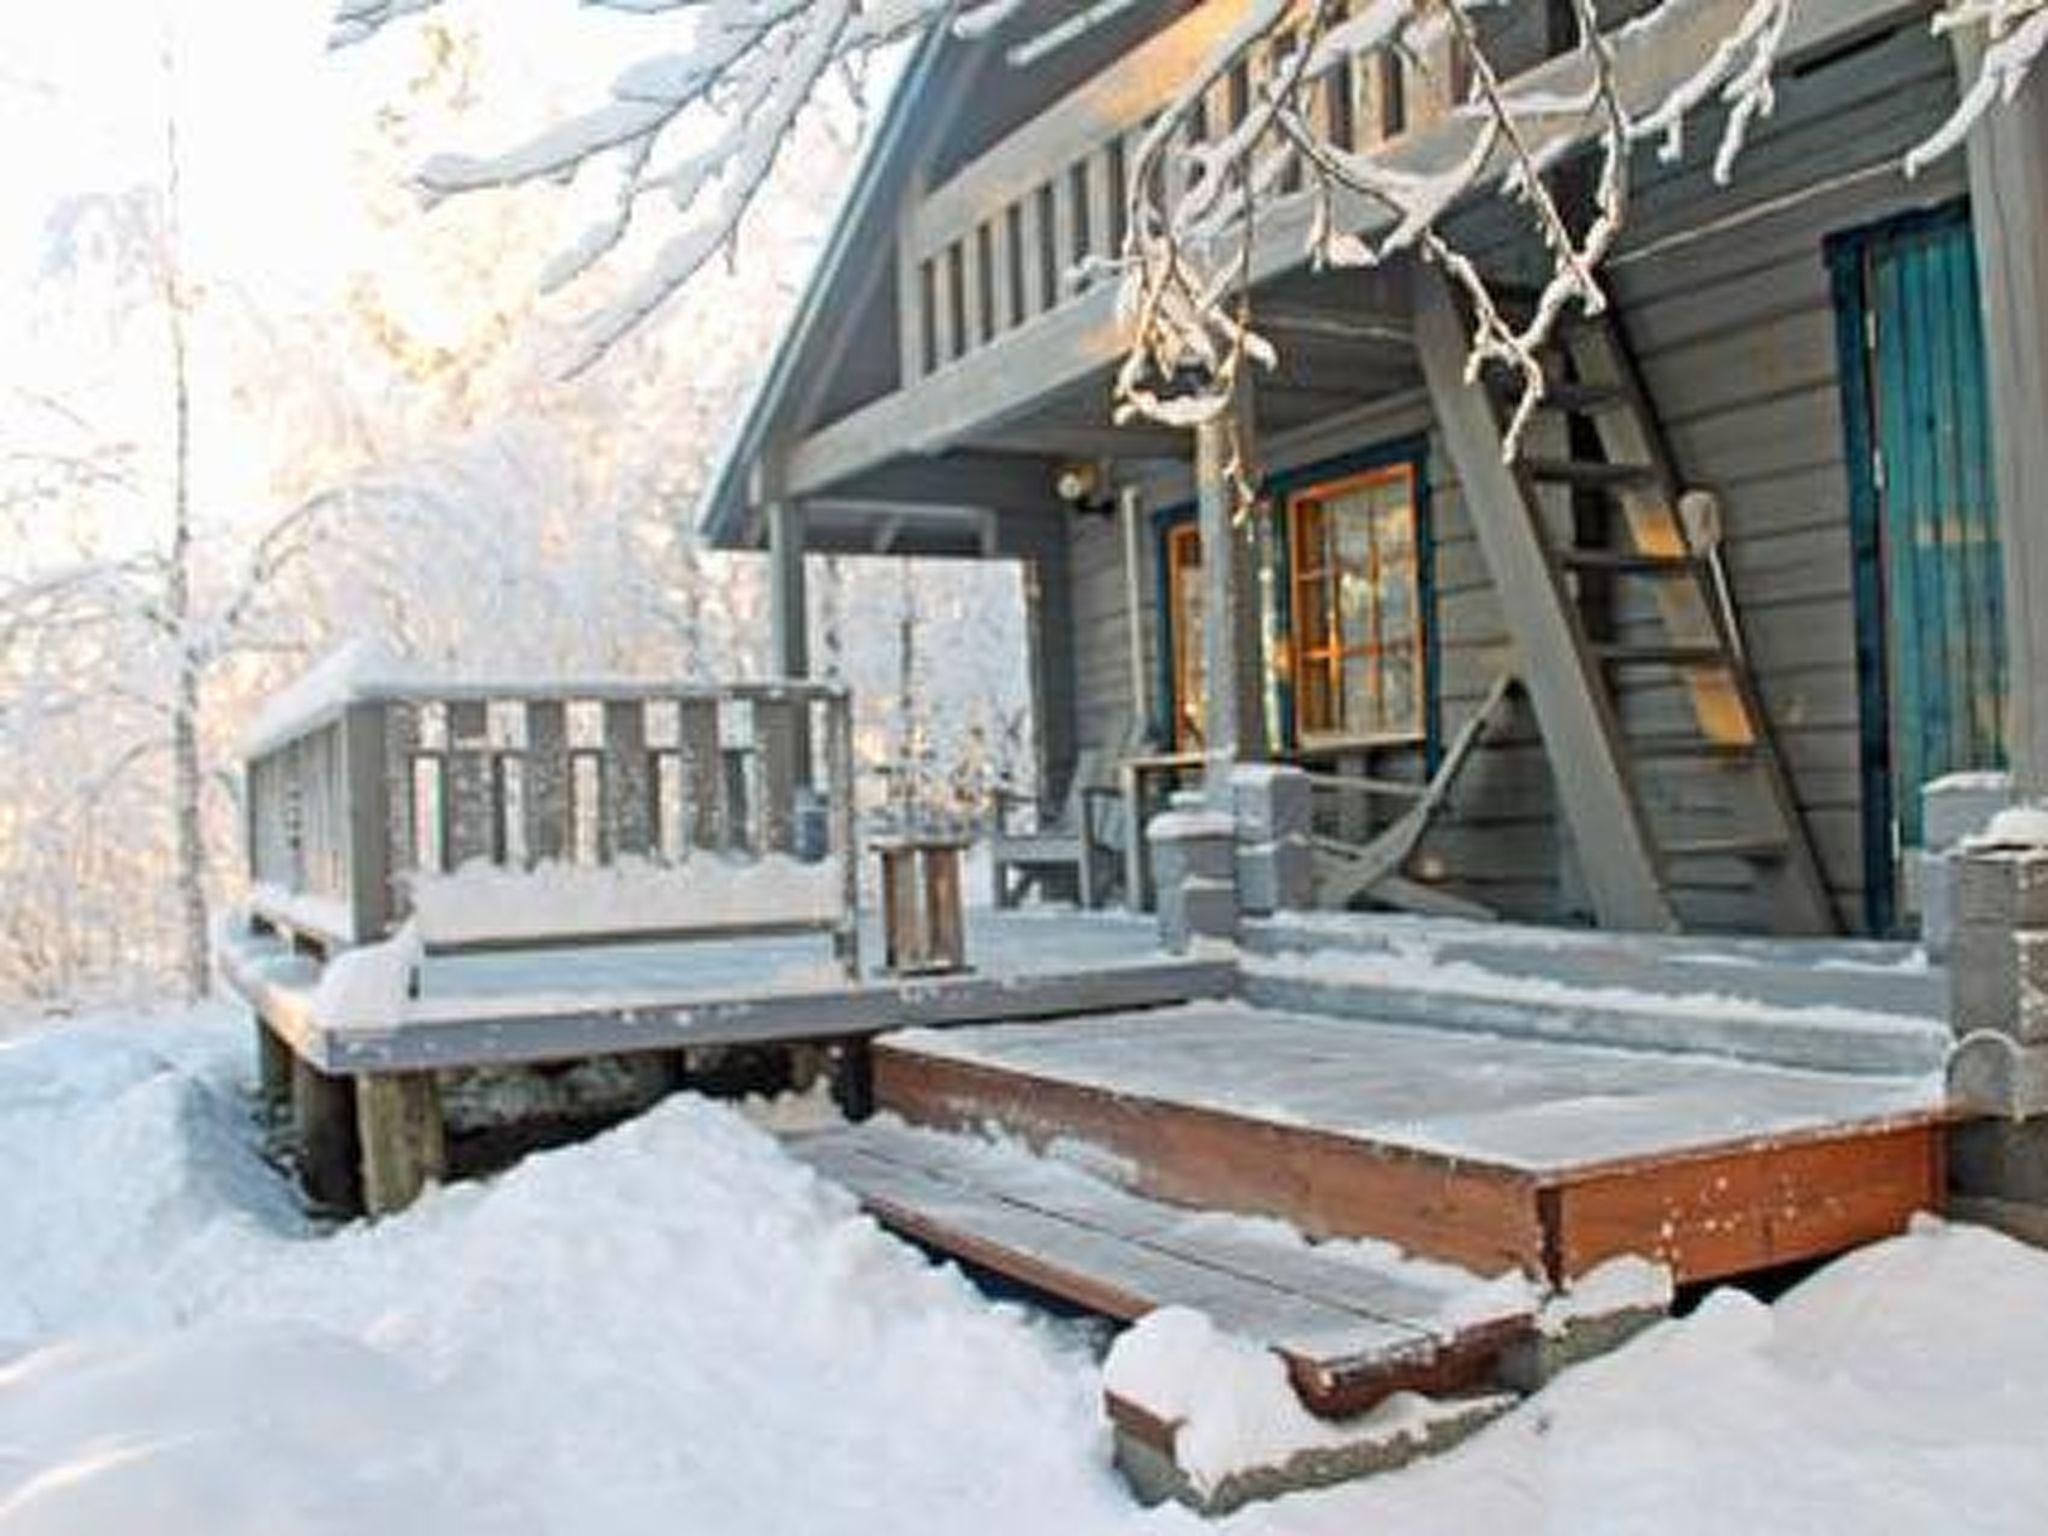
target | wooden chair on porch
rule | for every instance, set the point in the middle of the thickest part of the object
(1078, 845)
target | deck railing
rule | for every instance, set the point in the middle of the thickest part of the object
(513, 815)
(1010, 237)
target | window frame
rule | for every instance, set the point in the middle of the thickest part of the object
(1332, 657)
(1180, 538)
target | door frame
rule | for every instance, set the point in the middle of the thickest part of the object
(1845, 254)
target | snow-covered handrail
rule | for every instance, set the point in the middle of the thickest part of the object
(519, 814)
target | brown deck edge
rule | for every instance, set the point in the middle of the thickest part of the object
(1481, 1216)
(1708, 1212)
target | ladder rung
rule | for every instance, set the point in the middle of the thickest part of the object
(1628, 561)
(1589, 472)
(1663, 655)
(1580, 399)
(1681, 747)
(1727, 848)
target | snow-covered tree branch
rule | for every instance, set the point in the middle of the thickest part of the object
(700, 126)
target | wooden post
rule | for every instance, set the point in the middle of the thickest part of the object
(788, 611)
(404, 1145)
(703, 771)
(469, 794)
(367, 801)
(2008, 154)
(273, 1068)
(1131, 512)
(1231, 713)
(777, 737)
(629, 780)
(839, 785)
(546, 798)
(324, 1127)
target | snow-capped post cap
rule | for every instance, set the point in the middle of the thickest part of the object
(2019, 829)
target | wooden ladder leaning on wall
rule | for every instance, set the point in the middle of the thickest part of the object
(1595, 621)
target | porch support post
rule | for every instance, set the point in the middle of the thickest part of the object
(1231, 722)
(2008, 155)
(788, 609)
(1130, 506)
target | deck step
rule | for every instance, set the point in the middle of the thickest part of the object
(1581, 399)
(1594, 474)
(1637, 655)
(1687, 746)
(1484, 1149)
(1627, 562)
(1352, 1330)
(1762, 846)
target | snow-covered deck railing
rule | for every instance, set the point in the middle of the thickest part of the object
(520, 814)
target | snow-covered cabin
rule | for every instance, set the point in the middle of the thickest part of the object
(1847, 361)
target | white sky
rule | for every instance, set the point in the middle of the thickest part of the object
(287, 190)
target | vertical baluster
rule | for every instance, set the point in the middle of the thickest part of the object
(470, 810)
(366, 815)
(1065, 219)
(697, 749)
(1032, 233)
(945, 280)
(546, 781)
(1096, 173)
(1003, 270)
(839, 775)
(629, 780)
(775, 741)
(1371, 101)
(401, 749)
(1429, 85)
(973, 314)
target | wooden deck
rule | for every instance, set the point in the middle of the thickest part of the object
(1352, 1329)
(1481, 1150)
(568, 1004)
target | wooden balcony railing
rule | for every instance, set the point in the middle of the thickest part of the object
(1009, 238)
(499, 816)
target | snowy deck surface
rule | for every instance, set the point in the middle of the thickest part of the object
(1539, 1106)
(566, 1003)
(1836, 1005)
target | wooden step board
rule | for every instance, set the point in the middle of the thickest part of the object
(1482, 1151)
(1351, 1330)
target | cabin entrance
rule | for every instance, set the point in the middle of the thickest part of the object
(1929, 581)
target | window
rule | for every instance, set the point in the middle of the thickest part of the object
(1184, 594)
(1357, 612)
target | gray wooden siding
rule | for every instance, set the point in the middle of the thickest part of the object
(1724, 294)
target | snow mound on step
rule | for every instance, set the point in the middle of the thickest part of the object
(1903, 1389)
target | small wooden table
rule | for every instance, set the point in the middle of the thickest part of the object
(924, 931)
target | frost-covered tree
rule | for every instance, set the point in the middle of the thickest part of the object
(698, 126)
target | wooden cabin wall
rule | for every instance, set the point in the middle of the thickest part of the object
(1735, 332)
(1724, 293)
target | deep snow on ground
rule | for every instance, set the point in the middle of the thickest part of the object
(675, 1328)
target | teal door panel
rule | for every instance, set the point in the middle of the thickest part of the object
(1930, 585)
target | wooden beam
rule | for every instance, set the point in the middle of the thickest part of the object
(788, 608)
(404, 1144)
(1580, 734)
(1065, 346)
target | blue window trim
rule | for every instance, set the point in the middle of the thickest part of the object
(1845, 254)
(1411, 449)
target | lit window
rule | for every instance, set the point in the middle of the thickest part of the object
(1184, 590)
(1357, 610)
